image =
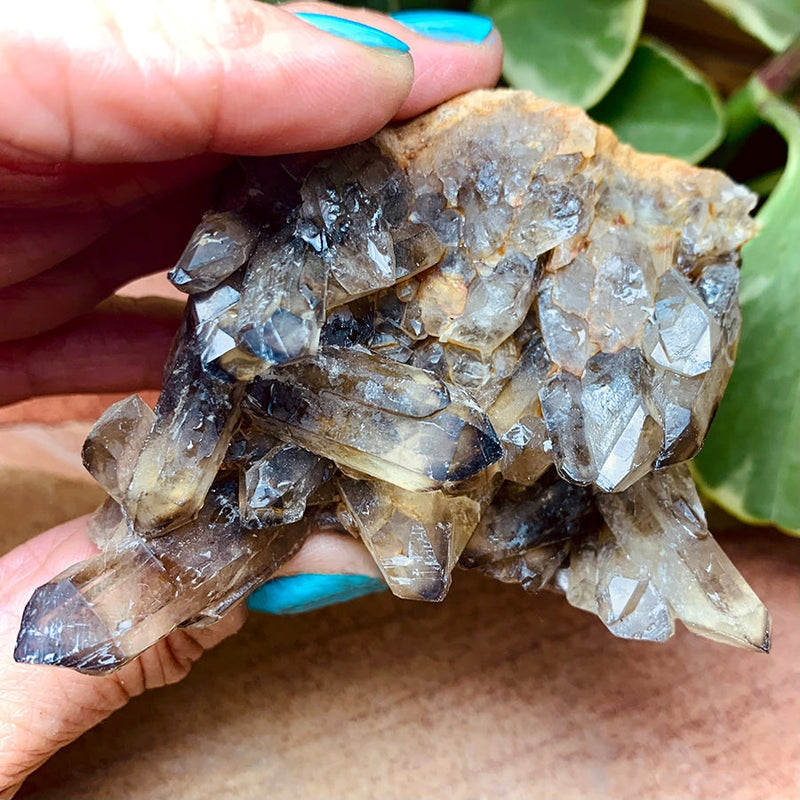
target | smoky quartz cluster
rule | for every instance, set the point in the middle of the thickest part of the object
(489, 338)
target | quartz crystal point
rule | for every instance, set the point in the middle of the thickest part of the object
(123, 601)
(374, 415)
(414, 537)
(604, 580)
(276, 488)
(220, 245)
(660, 526)
(114, 443)
(489, 337)
(193, 422)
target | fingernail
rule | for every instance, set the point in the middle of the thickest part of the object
(447, 26)
(294, 594)
(354, 31)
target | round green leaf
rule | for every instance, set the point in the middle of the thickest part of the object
(750, 464)
(571, 51)
(774, 22)
(661, 104)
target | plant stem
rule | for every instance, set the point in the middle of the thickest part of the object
(781, 75)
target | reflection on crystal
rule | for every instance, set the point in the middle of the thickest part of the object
(660, 524)
(522, 518)
(623, 438)
(276, 487)
(415, 441)
(282, 308)
(682, 335)
(561, 408)
(603, 580)
(193, 422)
(220, 245)
(470, 339)
(114, 443)
(414, 537)
(123, 602)
(532, 570)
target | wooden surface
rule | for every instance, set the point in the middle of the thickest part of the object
(493, 693)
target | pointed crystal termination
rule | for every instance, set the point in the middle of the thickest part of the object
(194, 419)
(113, 445)
(605, 581)
(214, 315)
(275, 488)
(220, 245)
(119, 604)
(532, 570)
(414, 537)
(282, 308)
(355, 215)
(660, 526)
(426, 452)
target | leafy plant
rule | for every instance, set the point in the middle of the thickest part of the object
(662, 104)
(591, 53)
(751, 460)
(585, 52)
(571, 50)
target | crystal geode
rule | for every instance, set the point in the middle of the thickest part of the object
(490, 337)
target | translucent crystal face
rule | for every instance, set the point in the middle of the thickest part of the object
(489, 337)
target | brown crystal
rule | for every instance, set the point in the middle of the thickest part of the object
(489, 337)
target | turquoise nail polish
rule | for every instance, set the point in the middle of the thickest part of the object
(354, 31)
(446, 26)
(294, 594)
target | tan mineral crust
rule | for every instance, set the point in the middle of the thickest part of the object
(489, 338)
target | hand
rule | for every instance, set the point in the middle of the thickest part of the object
(115, 118)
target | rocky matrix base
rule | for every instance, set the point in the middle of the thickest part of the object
(488, 338)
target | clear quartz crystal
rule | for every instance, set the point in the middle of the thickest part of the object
(431, 436)
(660, 524)
(489, 337)
(282, 308)
(112, 446)
(276, 488)
(604, 580)
(532, 570)
(193, 422)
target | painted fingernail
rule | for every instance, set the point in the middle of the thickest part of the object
(446, 26)
(294, 594)
(354, 31)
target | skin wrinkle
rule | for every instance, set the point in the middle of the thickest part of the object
(238, 23)
(217, 85)
(85, 354)
(67, 290)
(11, 48)
(69, 232)
(238, 26)
(169, 74)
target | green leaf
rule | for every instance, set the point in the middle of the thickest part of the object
(571, 51)
(750, 464)
(774, 22)
(661, 104)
